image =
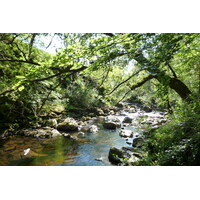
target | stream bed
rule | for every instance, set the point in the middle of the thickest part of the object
(91, 150)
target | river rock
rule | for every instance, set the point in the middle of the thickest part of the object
(112, 118)
(127, 120)
(120, 105)
(84, 128)
(126, 133)
(122, 113)
(81, 134)
(106, 110)
(132, 110)
(67, 135)
(129, 143)
(112, 112)
(147, 109)
(93, 129)
(55, 133)
(132, 161)
(138, 142)
(58, 109)
(111, 122)
(99, 159)
(110, 125)
(101, 119)
(117, 156)
(52, 123)
(99, 111)
(45, 132)
(69, 124)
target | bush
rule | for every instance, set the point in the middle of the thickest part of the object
(178, 141)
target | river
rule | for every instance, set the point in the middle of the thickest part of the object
(92, 150)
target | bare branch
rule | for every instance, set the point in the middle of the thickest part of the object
(137, 85)
(124, 96)
(173, 72)
(105, 77)
(46, 98)
(50, 42)
(31, 45)
(124, 81)
(24, 55)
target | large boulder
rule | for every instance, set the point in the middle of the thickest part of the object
(111, 123)
(120, 105)
(45, 132)
(127, 120)
(69, 124)
(95, 111)
(126, 133)
(117, 156)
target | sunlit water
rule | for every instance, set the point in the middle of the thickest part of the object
(92, 150)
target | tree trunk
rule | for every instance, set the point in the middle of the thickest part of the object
(163, 78)
(180, 88)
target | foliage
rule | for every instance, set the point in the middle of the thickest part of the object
(176, 142)
(92, 69)
(82, 93)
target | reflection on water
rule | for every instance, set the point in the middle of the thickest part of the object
(43, 152)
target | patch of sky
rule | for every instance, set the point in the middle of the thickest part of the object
(51, 43)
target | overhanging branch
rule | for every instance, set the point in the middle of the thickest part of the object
(142, 82)
(124, 81)
(136, 86)
(59, 73)
(71, 72)
(23, 61)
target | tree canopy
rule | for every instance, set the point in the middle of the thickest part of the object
(98, 68)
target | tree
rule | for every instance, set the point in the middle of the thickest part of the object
(103, 58)
(160, 49)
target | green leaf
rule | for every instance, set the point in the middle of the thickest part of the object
(20, 77)
(21, 88)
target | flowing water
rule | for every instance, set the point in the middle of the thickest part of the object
(92, 150)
